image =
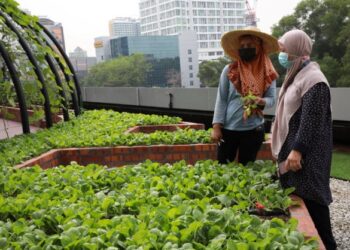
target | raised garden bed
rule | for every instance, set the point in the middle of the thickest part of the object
(146, 205)
(129, 155)
(124, 155)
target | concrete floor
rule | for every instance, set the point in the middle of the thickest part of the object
(12, 128)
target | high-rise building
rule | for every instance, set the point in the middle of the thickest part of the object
(209, 19)
(174, 59)
(102, 48)
(78, 52)
(81, 62)
(124, 26)
(56, 30)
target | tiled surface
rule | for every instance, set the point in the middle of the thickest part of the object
(12, 128)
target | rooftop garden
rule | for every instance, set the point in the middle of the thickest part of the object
(142, 206)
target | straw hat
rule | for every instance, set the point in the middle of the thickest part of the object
(230, 41)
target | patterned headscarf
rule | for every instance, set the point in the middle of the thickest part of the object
(254, 76)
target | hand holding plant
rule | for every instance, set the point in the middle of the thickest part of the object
(251, 104)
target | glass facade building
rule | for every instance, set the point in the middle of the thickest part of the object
(160, 51)
(152, 46)
(168, 55)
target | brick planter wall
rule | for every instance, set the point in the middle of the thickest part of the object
(170, 127)
(123, 155)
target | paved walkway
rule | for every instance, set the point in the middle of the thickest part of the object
(12, 128)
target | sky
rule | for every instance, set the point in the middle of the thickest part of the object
(83, 20)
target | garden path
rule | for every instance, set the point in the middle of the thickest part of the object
(13, 128)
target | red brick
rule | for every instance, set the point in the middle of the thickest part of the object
(182, 148)
(161, 148)
(197, 147)
(115, 158)
(154, 157)
(178, 157)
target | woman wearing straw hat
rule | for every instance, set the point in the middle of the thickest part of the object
(302, 131)
(246, 86)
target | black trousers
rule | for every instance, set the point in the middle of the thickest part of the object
(246, 143)
(321, 218)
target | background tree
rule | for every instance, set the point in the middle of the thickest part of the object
(328, 24)
(130, 71)
(210, 71)
(173, 77)
(161, 70)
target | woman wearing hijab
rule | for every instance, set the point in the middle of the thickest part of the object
(247, 85)
(302, 131)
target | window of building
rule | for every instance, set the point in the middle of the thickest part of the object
(202, 36)
(201, 4)
(190, 67)
(202, 29)
(203, 45)
(191, 75)
(212, 44)
(212, 36)
(191, 83)
(190, 59)
(210, 5)
(202, 21)
(189, 51)
(211, 53)
(201, 13)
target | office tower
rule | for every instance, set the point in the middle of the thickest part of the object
(56, 30)
(81, 62)
(173, 58)
(102, 48)
(124, 26)
(209, 19)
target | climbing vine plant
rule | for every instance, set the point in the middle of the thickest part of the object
(44, 84)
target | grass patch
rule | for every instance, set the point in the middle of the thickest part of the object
(341, 165)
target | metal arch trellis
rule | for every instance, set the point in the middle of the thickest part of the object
(32, 59)
(18, 87)
(71, 68)
(75, 92)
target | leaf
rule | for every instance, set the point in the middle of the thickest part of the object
(172, 213)
(107, 201)
(187, 233)
(288, 191)
(249, 236)
(224, 199)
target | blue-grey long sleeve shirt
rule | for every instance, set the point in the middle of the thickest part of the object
(229, 106)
